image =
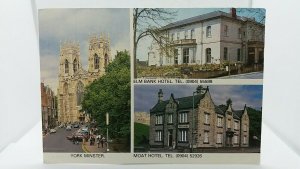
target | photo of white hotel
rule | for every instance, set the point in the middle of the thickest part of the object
(212, 38)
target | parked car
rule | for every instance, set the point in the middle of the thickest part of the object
(52, 131)
(76, 126)
(69, 128)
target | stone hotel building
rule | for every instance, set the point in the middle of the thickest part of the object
(171, 123)
(211, 38)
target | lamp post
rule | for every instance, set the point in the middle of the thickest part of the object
(107, 123)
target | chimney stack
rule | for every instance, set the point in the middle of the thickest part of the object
(233, 12)
(160, 95)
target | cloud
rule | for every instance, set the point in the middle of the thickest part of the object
(57, 25)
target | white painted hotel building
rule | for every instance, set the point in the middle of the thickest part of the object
(215, 37)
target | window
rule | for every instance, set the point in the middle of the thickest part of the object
(229, 123)
(192, 34)
(193, 55)
(226, 30)
(172, 36)
(66, 66)
(238, 54)
(159, 119)
(79, 92)
(178, 35)
(158, 135)
(96, 61)
(245, 127)
(219, 121)
(219, 138)
(75, 65)
(176, 56)
(170, 118)
(208, 31)
(225, 53)
(245, 140)
(236, 125)
(183, 117)
(183, 135)
(235, 139)
(240, 33)
(208, 55)
(206, 139)
(185, 55)
(186, 34)
(105, 60)
(206, 118)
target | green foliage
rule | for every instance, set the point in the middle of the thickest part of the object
(111, 93)
(141, 134)
(255, 117)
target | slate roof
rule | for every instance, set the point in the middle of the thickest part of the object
(183, 103)
(200, 18)
(236, 113)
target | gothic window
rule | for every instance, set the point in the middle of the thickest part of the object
(105, 60)
(65, 91)
(208, 31)
(96, 61)
(238, 54)
(208, 55)
(75, 65)
(79, 92)
(66, 66)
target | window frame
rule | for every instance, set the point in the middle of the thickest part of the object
(185, 55)
(208, 55)
(183, 117)
(208, 31)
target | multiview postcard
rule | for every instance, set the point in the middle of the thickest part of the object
(152, 85)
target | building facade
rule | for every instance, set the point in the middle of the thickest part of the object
(178, 123)
(73, 78)
(142, 117)
(212, 38)
(48, 105)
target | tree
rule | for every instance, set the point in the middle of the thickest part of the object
(258, 13)
(111, 93)
(146, 22)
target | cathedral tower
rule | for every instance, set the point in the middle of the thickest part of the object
(99, 53)
(69, 62)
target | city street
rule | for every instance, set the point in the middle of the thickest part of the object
(57, 142)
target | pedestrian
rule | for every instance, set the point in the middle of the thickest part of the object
(73, 139)
(102, 142)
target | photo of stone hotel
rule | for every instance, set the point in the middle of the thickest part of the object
(196, 124)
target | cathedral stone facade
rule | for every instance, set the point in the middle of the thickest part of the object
(73, 78)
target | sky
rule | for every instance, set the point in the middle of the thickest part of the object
(145, 96)
(57, 25)
(184, 13)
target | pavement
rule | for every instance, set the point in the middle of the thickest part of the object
(87, 148)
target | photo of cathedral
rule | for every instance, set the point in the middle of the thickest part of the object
(73, 78)
(85, 66)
